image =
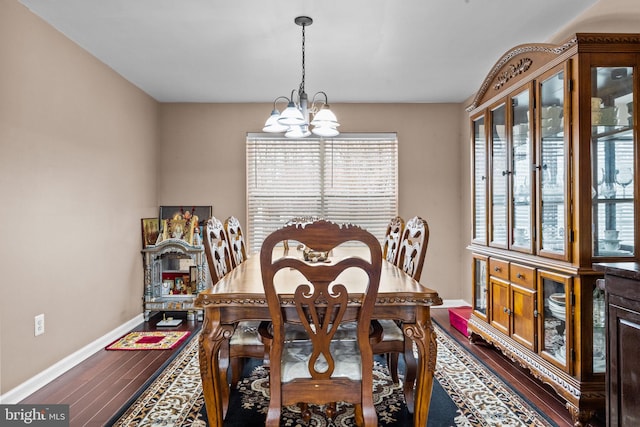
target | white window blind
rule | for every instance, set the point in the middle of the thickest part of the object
(349, 179)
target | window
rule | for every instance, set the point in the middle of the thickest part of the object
(349, 179)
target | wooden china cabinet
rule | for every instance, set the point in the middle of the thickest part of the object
(555, 167)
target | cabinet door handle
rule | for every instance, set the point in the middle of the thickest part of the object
(505, 173)
(519, 276)
(496, 269)
(506, 310)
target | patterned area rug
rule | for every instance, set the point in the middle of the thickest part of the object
(465, 393)
(159, 340)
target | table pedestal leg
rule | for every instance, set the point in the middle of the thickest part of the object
(214, 361)
(423, 334)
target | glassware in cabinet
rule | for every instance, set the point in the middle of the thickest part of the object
(613, 161)
(599, 334)
(499, 177)
(521, 161)
(552, 167)
(556, 310)
(480, 285)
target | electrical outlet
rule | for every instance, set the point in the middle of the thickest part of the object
(39, 324)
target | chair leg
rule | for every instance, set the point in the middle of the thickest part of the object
(331, 410)
(359, 419)
(305, 412)
(273, 417)
(392, 363)
(411, 369)
(237, 366)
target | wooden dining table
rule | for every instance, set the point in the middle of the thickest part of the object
(239, 296)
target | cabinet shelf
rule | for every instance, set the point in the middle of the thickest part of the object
(614, 131)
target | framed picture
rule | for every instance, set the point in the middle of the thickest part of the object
(150, 231)
(178, 285)
(167, 286)
(185, 212)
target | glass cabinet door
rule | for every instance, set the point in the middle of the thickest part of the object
(552, 168)
(613, 161)
(555, 310)
(499, 177)
(599, 333)
(479, 182)
(521, 161)
(480, 286)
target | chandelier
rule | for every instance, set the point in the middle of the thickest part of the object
(294, 119)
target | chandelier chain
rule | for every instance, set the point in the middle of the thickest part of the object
(303, 65)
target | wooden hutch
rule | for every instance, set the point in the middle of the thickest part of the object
(555, 161)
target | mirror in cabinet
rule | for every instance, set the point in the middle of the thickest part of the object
(552, 167)
(556, 309)
(499, 177)
(613, 161)
(521, 161)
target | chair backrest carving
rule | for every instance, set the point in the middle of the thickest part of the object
(216, 248)
(236, 241)
(320, 303)
(391, 243)
(413, 247)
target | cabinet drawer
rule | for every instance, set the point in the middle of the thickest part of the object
(522, 275)
(499, 268)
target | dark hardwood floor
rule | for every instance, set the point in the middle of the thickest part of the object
(98, 387)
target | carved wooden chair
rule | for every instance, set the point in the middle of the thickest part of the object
(411, 254)
(236, 241)
(392, 344)
(247, 340)
(391, 243)
(320, 369)
(413, 247)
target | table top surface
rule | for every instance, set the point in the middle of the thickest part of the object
(244, 283)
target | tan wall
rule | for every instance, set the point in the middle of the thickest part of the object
(205, 144)
(77, 172)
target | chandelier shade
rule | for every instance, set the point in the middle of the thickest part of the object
(295, 120)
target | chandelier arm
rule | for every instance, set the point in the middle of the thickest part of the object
(313, 101)
(275, 101)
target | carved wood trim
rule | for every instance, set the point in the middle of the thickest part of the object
(517, 68)
(565, 385)
(504, 70)
(204, 301)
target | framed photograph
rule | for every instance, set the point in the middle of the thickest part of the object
(178, 285)
(150, 231)
(167, 286)
(185, 212)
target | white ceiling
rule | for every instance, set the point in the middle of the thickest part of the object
(356, 50)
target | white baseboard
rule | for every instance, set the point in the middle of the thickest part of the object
(43, 378)
(448, 303)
